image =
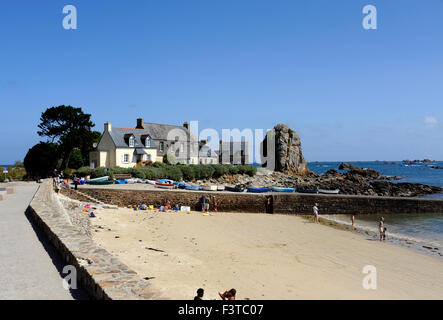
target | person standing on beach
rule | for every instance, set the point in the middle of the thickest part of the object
(381, 228)
(352, 221)
(315, 209)
(214, 203)
(54, 178)
(203, 202)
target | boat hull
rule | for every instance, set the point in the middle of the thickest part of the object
(278, 189)
(257, 190)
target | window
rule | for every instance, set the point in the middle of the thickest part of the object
(182, 147)
(209, 153)
(162, 146)
(131, 141)
(126, 158)
(148, 142)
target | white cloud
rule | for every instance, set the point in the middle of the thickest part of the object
(431, 122)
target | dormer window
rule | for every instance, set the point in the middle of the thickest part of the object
(131, 141)
(148, 142)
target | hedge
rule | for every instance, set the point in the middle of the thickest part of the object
(160, 170)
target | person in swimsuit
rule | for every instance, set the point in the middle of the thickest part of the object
(381, 227)
(315, 209)
(228, 295)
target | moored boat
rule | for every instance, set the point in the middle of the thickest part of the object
(234, 189)
(279, 189)
(220, 188)
(210, 188)
(193, 187)
(324, 191)
(300, 190)
(164, 185)
(119, 181)
(258, 189)
(101, 182)
(105, 178)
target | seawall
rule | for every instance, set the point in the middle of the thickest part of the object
(99, 273)
(290, 203)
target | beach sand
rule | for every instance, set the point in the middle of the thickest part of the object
(261, 256)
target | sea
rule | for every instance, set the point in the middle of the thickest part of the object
(421, 232)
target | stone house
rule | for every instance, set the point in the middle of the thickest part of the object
(233, 152)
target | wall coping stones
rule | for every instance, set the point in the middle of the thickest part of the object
(100, 274)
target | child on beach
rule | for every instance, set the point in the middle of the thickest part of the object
(214, 203)
(352, 221)
(59, 185)
(315, 209)
(228, 295)
(381, 228)
(384, 234)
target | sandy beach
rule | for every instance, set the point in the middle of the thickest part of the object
(261, 256)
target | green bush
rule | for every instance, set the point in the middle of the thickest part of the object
(84, 171)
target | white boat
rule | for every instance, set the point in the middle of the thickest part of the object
(150, 181)
(324, 191)
(210, 188)
(220, 188)
(131, 180)
(100, 179)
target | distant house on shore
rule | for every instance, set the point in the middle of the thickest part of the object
(125, 147)
(233, 152)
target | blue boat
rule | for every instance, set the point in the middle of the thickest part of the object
(278, 189)
(258, 190)
(119, 181)
(307, 190)
(193, 187)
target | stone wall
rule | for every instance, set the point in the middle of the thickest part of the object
(336, 204)
(99, 273)
(227, 202)
(294, 203)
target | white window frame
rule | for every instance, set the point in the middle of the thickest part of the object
(148, 142)
(131, 141)
(126, 158)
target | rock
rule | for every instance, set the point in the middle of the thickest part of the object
(346, 166)
(288, 156)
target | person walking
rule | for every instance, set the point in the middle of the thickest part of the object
(315, 210)
(381, 227)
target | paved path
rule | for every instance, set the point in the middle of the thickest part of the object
(30, 268)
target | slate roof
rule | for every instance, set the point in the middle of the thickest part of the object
(118, 136)
(160, 131)
(203, 152)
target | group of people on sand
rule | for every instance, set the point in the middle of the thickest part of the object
(57, 180)
(206, 200)
(381, 226)
(227, 295)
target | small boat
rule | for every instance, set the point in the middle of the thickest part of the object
(167, 181)
(324, 191)
(257, 189)
(119, 181)
(210, 188)
(180, 185)
(150, 181)
(278, 189)
(101, 182)
(220, 188)
(234, 189)
(100, 179)
(131, 180)
(299, 190)
(164, 185)
(193, 187)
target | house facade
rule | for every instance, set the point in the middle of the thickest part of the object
(233, 152)
(125, 147)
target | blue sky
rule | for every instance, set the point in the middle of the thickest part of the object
(351, 94)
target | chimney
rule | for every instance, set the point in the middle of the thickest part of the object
(186, 125)
(108, 127)
(140, 123)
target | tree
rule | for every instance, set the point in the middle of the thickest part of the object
(67, 126)
(77, 160)
(41, 159)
